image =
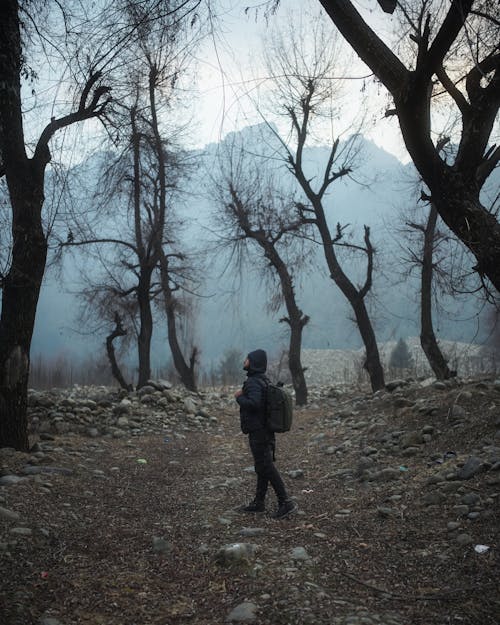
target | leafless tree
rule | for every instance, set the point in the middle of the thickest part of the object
(254, 208)
(138, 264)
(25, 177)
(305, 92)
(96, 46)
(451, 57)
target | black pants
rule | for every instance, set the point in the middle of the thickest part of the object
(262, 444)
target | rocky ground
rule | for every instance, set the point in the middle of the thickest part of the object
(125, 510)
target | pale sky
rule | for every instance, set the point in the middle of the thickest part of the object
(230, 67)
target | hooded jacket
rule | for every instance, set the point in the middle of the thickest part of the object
(252, 401)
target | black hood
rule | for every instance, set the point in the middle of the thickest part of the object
(258, 361)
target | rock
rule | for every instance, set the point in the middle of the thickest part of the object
(252, 531)
(409, 452)
(21, 531)
(160, 545)
(385, 512)
(146, 390)
(245, 612)
(235, 553)
(296, 473)
(8, 515)
(471, 499)
(433, 499)
(464, 539)
(299, 553)
(7, 480)
(190, 405)
(457, 412)
(411, 439)
(473, 466)
(461, 510)
(394, 384)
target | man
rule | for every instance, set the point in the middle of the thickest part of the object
(252, 401)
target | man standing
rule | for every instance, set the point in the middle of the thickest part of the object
(252, 401)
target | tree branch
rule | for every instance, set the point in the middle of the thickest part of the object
(84, 111)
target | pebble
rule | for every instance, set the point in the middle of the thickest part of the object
(9, 515)
(235, 552)
(245, 612)
(464, 539)
(299, 553)
(252, 531)
(21, 531)
(160, 545)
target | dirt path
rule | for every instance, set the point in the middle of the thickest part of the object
(135, 535)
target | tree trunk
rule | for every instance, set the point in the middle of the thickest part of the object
(115, 368)
(455, 190)
(186, 372)
(355, 298)
(295, 363)
(427, 337)
(21, 289)
(146, 327)
(21, 285)
(296, 320)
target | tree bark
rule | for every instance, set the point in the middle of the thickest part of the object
(25, 182)
(21, 285)
(115, 368)
(427, 337)
(186, 371)
(455, 189)
(296, 320)
(147, 262)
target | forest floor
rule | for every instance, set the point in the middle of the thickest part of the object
(144, 530)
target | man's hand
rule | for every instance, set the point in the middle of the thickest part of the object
(238, 393)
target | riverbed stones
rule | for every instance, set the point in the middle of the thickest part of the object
(245, 612)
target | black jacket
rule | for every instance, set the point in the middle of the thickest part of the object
(252, 401)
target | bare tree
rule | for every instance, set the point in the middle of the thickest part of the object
(25, 177)
(254, 210)
(453, 54)
(305, 92)
(137, 266)
(115, 368)
(98, 44)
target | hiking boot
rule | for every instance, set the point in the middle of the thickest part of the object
(285, 508)
(254, 506)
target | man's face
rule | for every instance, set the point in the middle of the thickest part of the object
(246, 364)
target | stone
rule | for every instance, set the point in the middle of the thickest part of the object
(433, 499)
(473, 466)
(471, 499)
(464, 539)
(190, 405)
(299, 553)
(252, 531)
(8, 515)
(411, 439)
(21, 531)
(235, 553)
(8, 480)
(296, 473)
(160, 545)
(245, 612)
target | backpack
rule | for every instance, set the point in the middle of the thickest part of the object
(279, 408)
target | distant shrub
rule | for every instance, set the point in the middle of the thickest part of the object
(400, 356)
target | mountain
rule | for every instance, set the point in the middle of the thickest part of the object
(233, 312)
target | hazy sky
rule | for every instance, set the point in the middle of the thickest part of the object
(230, 67)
